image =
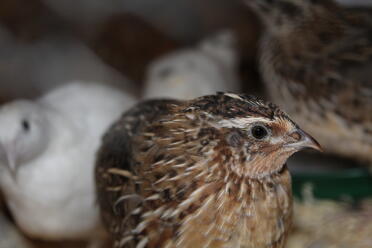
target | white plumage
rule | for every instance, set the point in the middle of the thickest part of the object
(190, 73)
(47, 154)
(10, 236)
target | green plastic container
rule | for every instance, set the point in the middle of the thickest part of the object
(353, 184)
(330, 177)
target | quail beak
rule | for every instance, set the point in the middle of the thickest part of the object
(10, 155)
(303, 140)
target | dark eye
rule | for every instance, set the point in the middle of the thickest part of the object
(259, 132)
(25, 125)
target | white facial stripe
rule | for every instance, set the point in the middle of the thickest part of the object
(241, 122)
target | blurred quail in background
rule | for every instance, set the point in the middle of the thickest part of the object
(316, 61)
(208, 172)
(47, 152)
(190, 73)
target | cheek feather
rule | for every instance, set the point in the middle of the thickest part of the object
(235, 138)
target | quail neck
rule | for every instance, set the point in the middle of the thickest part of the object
(209, 172)
(316, 61)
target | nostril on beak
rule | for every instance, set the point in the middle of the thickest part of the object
(296, 136)
(303, 140)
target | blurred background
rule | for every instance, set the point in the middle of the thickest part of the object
(46, 43)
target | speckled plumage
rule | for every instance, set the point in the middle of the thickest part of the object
(191, 174)
(316, 61)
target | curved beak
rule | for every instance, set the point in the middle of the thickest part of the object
(303, 140)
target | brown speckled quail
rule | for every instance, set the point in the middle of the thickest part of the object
(209, 172)
(316, 61)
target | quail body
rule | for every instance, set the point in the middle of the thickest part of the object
(208, 172)
(47, 153)
(316, 61)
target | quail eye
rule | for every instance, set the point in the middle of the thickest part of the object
(259, 132)
(25, 125)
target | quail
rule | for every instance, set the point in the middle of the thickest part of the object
(316, 61)
(190, 73)
(207, 172)
(47, 153)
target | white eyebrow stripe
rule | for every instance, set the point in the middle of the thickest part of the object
(235, 96)
(241, 122)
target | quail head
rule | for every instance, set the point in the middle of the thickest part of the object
(208, 172)
(316, 61)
